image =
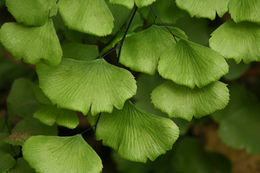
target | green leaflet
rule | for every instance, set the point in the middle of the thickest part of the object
(21, 99)
(29, 127)
(136, 135)
(189, 156)
(182, 102)
(88, 16)
(52, 154)
(21, 167)
(237, 41)
(31, 12)
(6, 162)
(84, 85)
(204, 8)
(190, 64)
(130, 3)
(246, 10)
(49, 114)
(32, 43)
(80, 51)
(141, 51)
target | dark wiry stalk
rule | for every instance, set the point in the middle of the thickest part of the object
(174, 36)
(131, 17)
(127, 29)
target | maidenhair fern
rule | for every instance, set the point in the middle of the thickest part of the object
(68, 42)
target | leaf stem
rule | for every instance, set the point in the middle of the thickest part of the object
(130, 17)
(156, 15)
(127, 29)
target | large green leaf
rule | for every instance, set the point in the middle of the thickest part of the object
(204, 8)
(31, 12)
(32, 43)
(189, 156)
(130, 3)
(190, 64)
(27, 128)
(6, 162)
(237, 41)
(49, 114)
(136, 135)
(21, 166)
(183, 102)
(80, 51)
(53, 154)
(88, 16)
(81, 85)
(141, 51)
(21, 99)
(246, 10)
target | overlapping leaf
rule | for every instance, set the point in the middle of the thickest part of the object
(141, 51)
(166, 10)
(7, 162)
(32, 43)
(246, 10)
(27, 128)
(136, 135)
(31, 12)
(88, 16)
(21, 99)
(190, 64)
(237, 41)
(241, 128)
(85, 85)
(236, 70)
(10, 70)
(204, 8)
(50, 115)
(80, 51)
(61, 154)
(145, 85)
(21, 166)
(183, 102)
(240, 121)
(189, 156)
(130, 3)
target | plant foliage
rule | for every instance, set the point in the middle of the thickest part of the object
(139, 72)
